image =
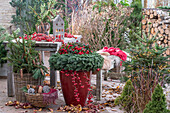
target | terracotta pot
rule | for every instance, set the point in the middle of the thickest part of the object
(68, 88)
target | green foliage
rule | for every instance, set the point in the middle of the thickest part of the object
(146, 54)
(24, 89)
(126, 98)
(3, 53)
(158, 102)
(75, 48)
(46, 13)
(76, 57)
(147, 67)
(29, 30)
(124, 79)
(23, 16)
(124, 2)
(4, 35)
(100, 4)
(132, 24)
(75, 62)
(24, 57)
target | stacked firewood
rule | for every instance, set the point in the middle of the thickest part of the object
(157, 20)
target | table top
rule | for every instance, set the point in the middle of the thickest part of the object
(44, 46)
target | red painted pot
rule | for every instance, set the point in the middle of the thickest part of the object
(68, 87)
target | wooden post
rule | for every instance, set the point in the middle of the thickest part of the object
(53, 75)
(105, 75)
(99, 86)
(42, 56)
(10, 81)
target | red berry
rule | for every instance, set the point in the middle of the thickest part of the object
(82, 86)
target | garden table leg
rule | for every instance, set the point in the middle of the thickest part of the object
(53, 75)
(42, 56)
(99, 86)
(10, 81)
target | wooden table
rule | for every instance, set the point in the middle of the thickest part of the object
(39, 46)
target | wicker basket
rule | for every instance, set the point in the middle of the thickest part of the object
(21, 82)
(36, 100)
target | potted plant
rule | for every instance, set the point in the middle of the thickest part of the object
(27, 64)
(75, 61)
(46, 14)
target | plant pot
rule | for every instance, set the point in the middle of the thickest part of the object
(21, 82)
(43, 28)
(68, 88)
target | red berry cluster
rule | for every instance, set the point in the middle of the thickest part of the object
(41, 36)
(69, 35)
(75, 48)
(77, 83)
(89, 98)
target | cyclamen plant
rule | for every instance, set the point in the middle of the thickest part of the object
(75, 48)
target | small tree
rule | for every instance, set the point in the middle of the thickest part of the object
(158, 102)
(126, 98)
(24, 57)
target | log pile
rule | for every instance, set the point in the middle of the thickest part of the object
(158, 21)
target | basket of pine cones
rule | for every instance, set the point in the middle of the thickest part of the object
(40, 96)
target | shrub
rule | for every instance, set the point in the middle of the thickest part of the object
(158, 102)
(100, 23)
(126, 98)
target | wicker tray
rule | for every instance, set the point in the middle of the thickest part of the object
(36, 100)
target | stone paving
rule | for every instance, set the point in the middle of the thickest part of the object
(59, 101)
(107, 96)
